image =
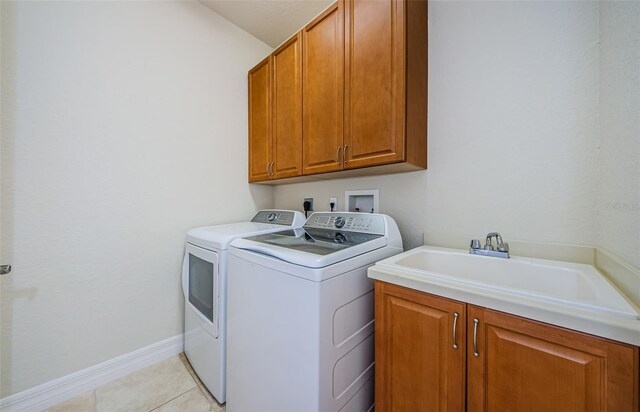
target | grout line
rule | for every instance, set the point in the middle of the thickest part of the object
(160, 406)
(177, 396)
(203, 389)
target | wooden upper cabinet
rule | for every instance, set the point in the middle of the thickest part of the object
(385, 82)
(527, 365)
(287, 109)
(323, 79)
(275, 114)
(347, 92)
(417, 366)
(260, 121)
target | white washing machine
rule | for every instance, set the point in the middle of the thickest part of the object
(204, 283)
(300, 314)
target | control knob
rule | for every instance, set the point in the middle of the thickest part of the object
(271, 217)
(340, 238)
(340, 222)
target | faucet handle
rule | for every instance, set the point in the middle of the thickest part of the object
(503, 247)
(475, 244)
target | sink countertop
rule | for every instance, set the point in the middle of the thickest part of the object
(604, 324)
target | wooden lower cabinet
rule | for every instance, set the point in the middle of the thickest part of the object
(524, 365)
(417, 366)
(503, 362)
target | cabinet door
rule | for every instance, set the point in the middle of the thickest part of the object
(417, 366)
(260, 121)
(323, 79)
(287, 109)
(374, 82)
(523, 365)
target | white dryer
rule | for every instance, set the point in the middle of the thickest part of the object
(300, 314)
(204, 282)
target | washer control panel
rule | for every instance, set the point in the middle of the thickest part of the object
(345, 221)
(278, 217)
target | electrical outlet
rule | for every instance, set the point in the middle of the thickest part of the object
(333, 200)
(310, 200)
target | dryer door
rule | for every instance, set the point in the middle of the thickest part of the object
(200, 285)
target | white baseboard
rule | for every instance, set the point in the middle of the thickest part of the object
(67, 387)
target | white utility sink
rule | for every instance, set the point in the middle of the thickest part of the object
(573, 285)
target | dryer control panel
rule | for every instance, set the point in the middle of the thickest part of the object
(278, 217)
(347, 222)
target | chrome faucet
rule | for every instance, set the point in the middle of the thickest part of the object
(501, 250)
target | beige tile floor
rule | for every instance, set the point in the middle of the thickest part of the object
(168, 386)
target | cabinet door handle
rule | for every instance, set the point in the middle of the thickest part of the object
(475, 338)
(268, 165)
(270, 168)
(455, 325)
(338, 154)
(344, 154)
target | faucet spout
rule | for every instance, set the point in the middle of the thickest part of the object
(496, 235)
(501, 250)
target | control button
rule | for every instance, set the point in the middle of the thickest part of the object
(272, 217)
(339, 222)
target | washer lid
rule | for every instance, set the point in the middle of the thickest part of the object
(313, 248)
(219, 236)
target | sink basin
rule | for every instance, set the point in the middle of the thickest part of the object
(573, 285)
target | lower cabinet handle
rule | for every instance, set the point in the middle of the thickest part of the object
(338, 154)
(475, 338)
(455, 324)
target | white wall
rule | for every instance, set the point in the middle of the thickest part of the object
(123, 125)
(619, 219)
(116, 117)
(513, 132)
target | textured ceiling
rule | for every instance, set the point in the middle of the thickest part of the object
(272, 21)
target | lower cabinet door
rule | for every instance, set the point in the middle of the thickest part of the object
(515, 364)
(420, 357)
